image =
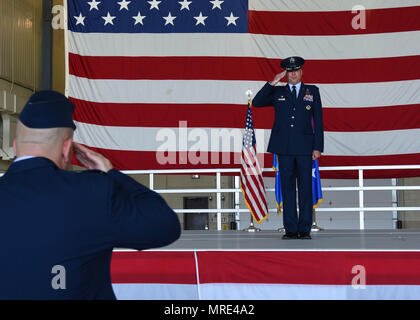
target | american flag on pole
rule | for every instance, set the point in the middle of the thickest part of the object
(252, 184)
(136, 68)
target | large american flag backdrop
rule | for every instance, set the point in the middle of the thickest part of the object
(168, 78)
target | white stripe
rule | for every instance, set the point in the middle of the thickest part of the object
(245, 45)
(197, 274)
(252, 291)
(233, 92)
(372, 143)
(155, 291)
(246, 182)
(326, 5)
(256, 291)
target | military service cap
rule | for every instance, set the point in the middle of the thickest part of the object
(292, 63)
(48, 109)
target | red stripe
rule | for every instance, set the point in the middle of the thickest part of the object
(324, 268)
(146, 160)
(162, 115)
(153, 267)
(242, 68)
(208, 115)
(334, 22)
(372, 119)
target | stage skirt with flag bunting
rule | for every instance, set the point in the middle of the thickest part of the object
(266, 275)
(316, 185)
(252, 184)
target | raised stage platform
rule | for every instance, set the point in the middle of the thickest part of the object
(321, 240)
(238, 265)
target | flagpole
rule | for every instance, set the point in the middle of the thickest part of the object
(281, 229)
(314, 225)
(251, 227)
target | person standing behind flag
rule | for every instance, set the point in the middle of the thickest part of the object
(295, 140)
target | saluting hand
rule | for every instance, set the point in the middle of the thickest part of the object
(91, 159)
(277, 78)
(316, 154)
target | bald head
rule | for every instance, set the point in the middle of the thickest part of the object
(52, 143)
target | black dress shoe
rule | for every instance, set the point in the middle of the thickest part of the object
(288, 236)
(305, 235)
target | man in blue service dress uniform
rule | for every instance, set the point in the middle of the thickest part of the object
(297, 137)
(57, 227)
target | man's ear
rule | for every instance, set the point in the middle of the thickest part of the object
(67, 149)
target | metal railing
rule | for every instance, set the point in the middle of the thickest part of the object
(361, 188)
(218, 190)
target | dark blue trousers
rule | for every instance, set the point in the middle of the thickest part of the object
(296, 169)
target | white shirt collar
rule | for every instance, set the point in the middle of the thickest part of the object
(23, 158)
(297, 85)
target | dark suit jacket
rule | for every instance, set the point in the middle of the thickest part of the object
(51, 217)
(292, 132)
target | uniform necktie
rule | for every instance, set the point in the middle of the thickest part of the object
(294, 94)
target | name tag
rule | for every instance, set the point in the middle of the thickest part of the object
(281, 99)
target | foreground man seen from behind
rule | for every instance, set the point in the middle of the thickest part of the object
(58, 228)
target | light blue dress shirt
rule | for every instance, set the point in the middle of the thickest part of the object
(297, 85)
